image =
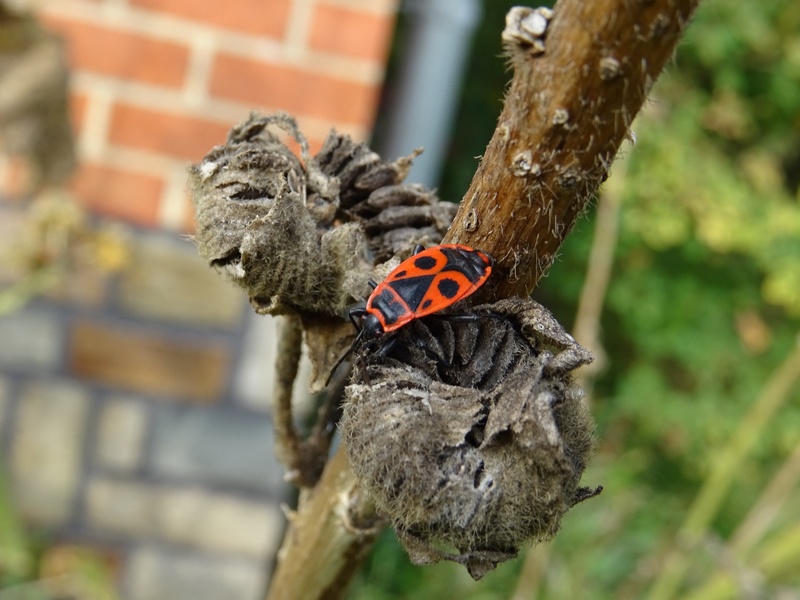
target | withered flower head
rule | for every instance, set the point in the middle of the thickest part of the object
(302, 234)
(470, 435)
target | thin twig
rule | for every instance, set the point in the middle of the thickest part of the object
(737, 576)
(287, 439)
(774, 560)
(761, 516)
(598, 275)
(531, 578)
(304, 458)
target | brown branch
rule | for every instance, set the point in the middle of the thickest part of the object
(287, 439)
(567, 111)
(328, 538)
(335, 525)
(304, 458)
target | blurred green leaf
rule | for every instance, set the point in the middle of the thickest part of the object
(15, 554)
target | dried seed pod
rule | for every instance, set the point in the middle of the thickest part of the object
(303, 236)
(253, 222)
(470, 435)
(395, 216)
(393, 195)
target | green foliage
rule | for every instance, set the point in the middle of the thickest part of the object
(703, 306)
(15, 554)
(718, 157)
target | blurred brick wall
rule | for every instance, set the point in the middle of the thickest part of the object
(134, 411)
(158, 82)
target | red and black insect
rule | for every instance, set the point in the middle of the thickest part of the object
(426, 283)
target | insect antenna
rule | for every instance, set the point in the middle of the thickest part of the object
(346, 355)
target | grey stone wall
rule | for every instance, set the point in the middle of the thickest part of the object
(135, 421)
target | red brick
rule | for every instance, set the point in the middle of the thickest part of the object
(77, 110)
(350, 32)
(168, 133)
(147, 362)
(298, 92)
(16, 183)
(121, 194)
(257, 17)
(189, 221)
(121, 54)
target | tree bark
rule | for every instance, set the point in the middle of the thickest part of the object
(567, 111)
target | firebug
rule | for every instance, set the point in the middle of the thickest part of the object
(423, 284)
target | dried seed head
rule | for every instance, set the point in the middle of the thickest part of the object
(305, 236)
(297, 235)
(254, 223)
(471, 435)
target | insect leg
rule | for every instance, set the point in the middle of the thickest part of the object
(353, 346)
(467, 317)
(387, 344)
(357, 315)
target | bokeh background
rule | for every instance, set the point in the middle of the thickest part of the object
(135, 384)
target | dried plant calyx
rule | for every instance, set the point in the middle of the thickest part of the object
(471, 436)
(304, 235)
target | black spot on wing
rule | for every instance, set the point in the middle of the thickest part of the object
(448, 287)
(425, 263)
